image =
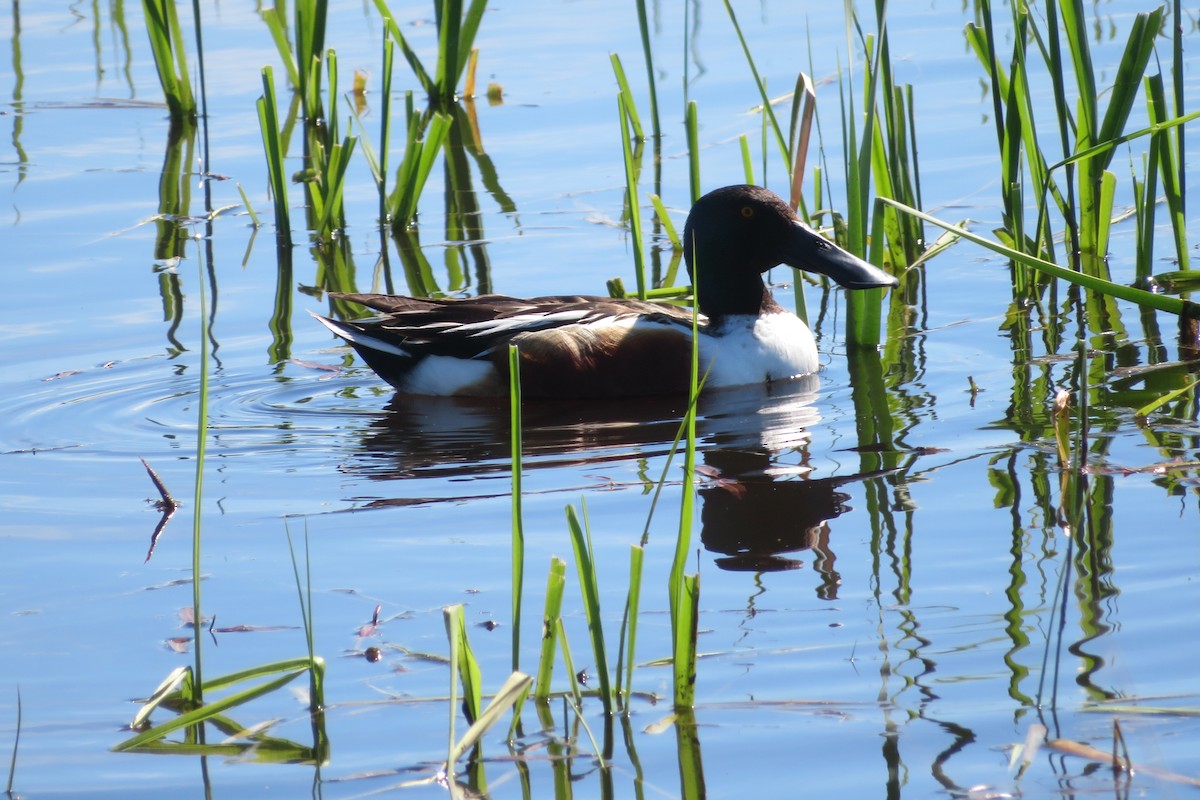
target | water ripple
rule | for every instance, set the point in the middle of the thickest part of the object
(130, 408)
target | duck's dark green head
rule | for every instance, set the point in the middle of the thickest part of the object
(736, 233)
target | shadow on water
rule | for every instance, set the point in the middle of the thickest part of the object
(760, 498)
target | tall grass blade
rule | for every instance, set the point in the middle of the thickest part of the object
(683, 589)
(1159, 402)
(1177, 80)
(628, 107)
(316, 666)
(420, 151)
(692, 128)
(631, 195)
(409, 54)
(198, 486)
(648, 57)
(1173, 305)
(273, 146)
(761, 85)
(457, 53)
(556, 582)
(254, 220)
(867, 158)
(864, 309)
(385, 124)
(1145, 192)
(518, 525)
(276, 19)
(456, 36)
(463, 660)
(1165, 161)
(569, 665)
(664, 219)
(684, 631)
(377, 161)
(691, 766)
(589, 586)
(629, 626)
(310, 45)
(211, 710)
(170, 58)
(510, 693)
(168, 689)
(747, 159)
(455, 641)
(448, 15)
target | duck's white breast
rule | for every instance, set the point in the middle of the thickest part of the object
(751, 349)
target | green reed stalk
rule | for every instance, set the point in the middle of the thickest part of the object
(664, 219)
(747, 159)
(510, 694)
(310, 18)
(329, 161)
(893, 154)
(254, 220)
(1166, 160)
(1177, 80)
(456, 37)
(684, 590)
(629, 625)
(630, 107)
(1145, 198)
(275, 18)
(385, 124)
(518, 525)
(1012, 107)
(316, 666)
(576, 703)
(423, 142)
(198, 489)
(569, 665)
(455, 641)
(377, 161)
(1087, 206)
(648, 57)
(1156, 129)
(216, 711)
(761, 85)
(1096, 183)
(589, 587)
(273, 147)
(170, 58)
(692, 128)
(631, 193)
(463, 661)
(556, 582)
(1173, 305)
(858, 189)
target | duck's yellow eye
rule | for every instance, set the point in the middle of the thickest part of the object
(747, 212)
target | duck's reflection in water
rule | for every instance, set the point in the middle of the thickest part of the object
(759, 497)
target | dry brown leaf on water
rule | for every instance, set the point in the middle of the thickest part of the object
(1073, 748)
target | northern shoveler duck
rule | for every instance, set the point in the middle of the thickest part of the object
(575, 346)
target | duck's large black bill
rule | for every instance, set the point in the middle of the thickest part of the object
(808, 250)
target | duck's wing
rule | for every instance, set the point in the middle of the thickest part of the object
(571, 346)
(474, 327)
